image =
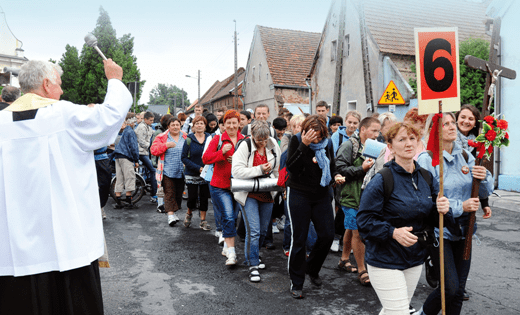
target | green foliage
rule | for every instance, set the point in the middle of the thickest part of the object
(84, 79)
(472, 81)
(165, 94)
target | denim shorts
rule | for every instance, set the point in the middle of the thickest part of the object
(350, 218)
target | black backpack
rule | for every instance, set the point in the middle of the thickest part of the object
(388, 180)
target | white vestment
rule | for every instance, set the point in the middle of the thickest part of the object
(49, 202)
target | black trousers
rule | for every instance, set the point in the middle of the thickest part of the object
(194, 192)
(72, 292)
(304, 208)
(104, 177)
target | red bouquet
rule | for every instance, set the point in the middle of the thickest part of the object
(494, 134)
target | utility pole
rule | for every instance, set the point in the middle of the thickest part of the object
(182, 93)
(235, 98)
(198, 78)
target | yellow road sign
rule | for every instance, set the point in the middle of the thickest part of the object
(391, 96)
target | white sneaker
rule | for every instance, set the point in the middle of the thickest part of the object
(171, 220)
(231, 259)
(175, 217)
(224, 251)
(220, 239)
(280, 223)
(218, 233)
(275, 229)
(335, 246)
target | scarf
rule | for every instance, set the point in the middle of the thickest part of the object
(323, 160)
(433, 140)
(29, 101)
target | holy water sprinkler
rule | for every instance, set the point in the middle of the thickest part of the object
(91, 40)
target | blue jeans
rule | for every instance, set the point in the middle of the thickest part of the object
(257, 217)
(148, 164)
(228, 207)
(456, 272)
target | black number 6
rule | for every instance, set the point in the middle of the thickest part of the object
(441, 62)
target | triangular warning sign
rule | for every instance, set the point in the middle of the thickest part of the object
(391, 96)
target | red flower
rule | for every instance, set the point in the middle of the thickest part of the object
(506, 135)
(502, 124)
(491, 134)
(489, 119)
(481, 150)
(474, 144)
(490, 149)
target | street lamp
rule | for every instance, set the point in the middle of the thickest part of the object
(198, 79)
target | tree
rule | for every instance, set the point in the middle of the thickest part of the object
(88, 84)
(165, 94)
(472, 81)
(70, 79)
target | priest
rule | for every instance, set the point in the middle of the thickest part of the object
(51, 233)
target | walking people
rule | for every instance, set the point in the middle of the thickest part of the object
(126, 156)
(351, 164)
(168, 146)
(220, 153)
(388, 221)
(144, 133)
(458, 178)
(49, 259)
(311, 169)
(259, 159)
(192, 159)
(343, 133)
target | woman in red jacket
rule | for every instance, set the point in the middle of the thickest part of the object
(219, 152)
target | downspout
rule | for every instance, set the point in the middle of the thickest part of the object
(498, 104)
(310, 93)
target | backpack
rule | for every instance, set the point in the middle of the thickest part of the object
(283, 175)
(388, 180)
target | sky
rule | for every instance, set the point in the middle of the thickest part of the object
(172, 39)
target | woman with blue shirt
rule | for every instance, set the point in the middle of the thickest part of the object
(192, 159)
(168, 146)
(393, 255)
(458, 178)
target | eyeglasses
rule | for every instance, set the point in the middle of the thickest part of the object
(261, 141)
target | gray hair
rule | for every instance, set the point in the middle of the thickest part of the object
(10, 94)
(260, 129)
(34, 72)
(386, 116)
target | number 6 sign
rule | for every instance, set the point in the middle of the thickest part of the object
(437, 60)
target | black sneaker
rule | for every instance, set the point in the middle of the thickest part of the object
(316, 280)
(412, 309)
(270, 246)
(465, 296)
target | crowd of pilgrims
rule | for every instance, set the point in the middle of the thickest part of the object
(332, 193)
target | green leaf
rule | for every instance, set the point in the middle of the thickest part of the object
(486, 127)
(480, 138)
(505, 142)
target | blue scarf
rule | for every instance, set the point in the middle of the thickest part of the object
(323, 160)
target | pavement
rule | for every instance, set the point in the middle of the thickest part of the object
(504, 199)
(157, 269)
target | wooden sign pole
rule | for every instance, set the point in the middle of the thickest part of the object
(441, 216)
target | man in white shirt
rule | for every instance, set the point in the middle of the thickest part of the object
(51, 233)
(197, 111)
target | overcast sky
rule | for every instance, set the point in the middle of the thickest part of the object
(172, 38)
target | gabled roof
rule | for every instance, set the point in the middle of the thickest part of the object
(289, 54)
(230, 86)
(392, 23)
(218, 89)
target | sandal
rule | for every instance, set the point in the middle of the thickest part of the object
(364, 280)
(187, 219)
(347, 266)
(254, 275)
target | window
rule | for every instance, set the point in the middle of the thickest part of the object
(346, 47)
(351, 105)
(260, 72)
(253, 74)
(333, 50)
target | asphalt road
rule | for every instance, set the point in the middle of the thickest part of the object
(157, 269)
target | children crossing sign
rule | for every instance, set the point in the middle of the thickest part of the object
(391, 96)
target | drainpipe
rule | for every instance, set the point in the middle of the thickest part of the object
(498, 109)
(307, 80)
